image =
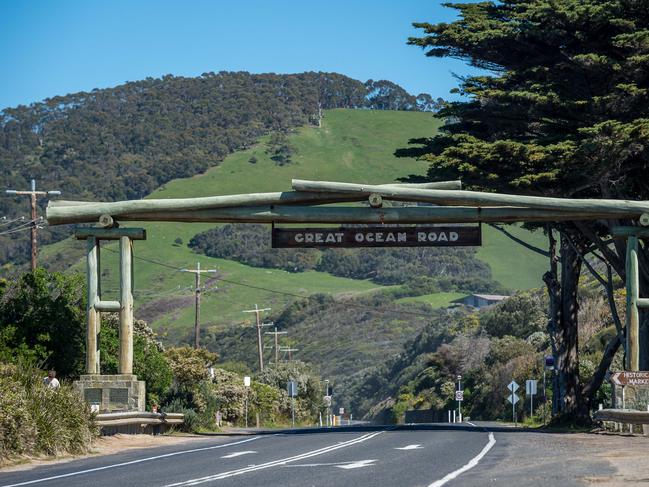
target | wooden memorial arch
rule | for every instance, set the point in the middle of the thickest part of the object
(313, 202)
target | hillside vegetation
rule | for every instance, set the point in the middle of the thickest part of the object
(354, 145)
(124, 142)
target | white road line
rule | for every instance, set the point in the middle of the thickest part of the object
(331, 464)
(276, 463)
(472, 463)
(409, 447)
(132, 462)
(238, 454)
(359, 464)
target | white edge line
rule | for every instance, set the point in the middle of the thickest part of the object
(132, 462)
(472, 463)
(275, 463)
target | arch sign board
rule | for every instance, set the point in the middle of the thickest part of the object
(381, 236)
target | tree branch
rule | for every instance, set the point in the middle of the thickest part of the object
(611, 257)
(606, 283)
(519, 241)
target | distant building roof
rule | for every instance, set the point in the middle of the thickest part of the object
(481, 300)
(492, 297)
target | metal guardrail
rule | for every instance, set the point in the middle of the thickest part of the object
(627, 416)
(138, 418)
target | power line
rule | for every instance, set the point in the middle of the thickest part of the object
(197, 293)
(286, 293)
(260, 346)
(33, 195)
(4, 221)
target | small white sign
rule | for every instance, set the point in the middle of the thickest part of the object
(530, 387)
(341, 411)
(513, 398)
(459, 395)
(246, 381)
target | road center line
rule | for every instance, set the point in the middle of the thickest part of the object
(472, 463)
(275, 463)
(132, 462)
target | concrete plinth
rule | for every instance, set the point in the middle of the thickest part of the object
(113, 393)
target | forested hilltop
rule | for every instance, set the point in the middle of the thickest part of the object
(124, 142)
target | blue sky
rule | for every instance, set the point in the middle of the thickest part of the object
(50, 48)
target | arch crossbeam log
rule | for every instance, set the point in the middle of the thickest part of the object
(306, 205)
(475, 198)
(61, 212)
(351, 215)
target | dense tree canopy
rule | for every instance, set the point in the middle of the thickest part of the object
(560, 108)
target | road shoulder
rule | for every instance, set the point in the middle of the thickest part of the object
(103, 446)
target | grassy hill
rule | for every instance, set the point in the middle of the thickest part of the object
(352, 145)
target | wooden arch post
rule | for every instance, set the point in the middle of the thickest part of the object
(120, 392)
(634, 303)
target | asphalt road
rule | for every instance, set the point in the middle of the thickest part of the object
(409, 456)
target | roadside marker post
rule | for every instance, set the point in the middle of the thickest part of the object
(292, 392)
(513, 398)
(530, 390)
(459, 397)
(246, 384)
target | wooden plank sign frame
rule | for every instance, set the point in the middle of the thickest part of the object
(377, 236)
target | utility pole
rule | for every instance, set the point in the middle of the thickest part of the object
(197, 291)
(276, 333)
(289, 350)
(259, 342)
(33, 195)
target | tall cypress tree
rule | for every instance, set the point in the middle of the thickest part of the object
(561, 109)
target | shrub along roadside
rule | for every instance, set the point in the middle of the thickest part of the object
(36, 420)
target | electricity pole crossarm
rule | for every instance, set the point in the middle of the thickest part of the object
(289, 350)
(260, 348)
(276, 333)
(33, 195)
(197, 291)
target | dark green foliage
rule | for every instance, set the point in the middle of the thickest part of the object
(124, 142)
(339, 334)
(563, 107)
(519, 316)
(386, 95)
(451, 268)
(149, 363)
(423, 374)
(250, 244)
(37, 420)
(42, 318)
(279, 149)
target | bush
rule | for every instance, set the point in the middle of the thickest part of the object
(149, 362)
(38, 420)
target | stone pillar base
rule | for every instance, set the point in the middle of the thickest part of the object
(112, 393)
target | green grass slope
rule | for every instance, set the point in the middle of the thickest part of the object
(351, 145)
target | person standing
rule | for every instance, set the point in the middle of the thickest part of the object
(51, 381)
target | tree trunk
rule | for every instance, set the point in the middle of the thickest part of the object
(573, 406)
(590, 389)
(551, 280)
